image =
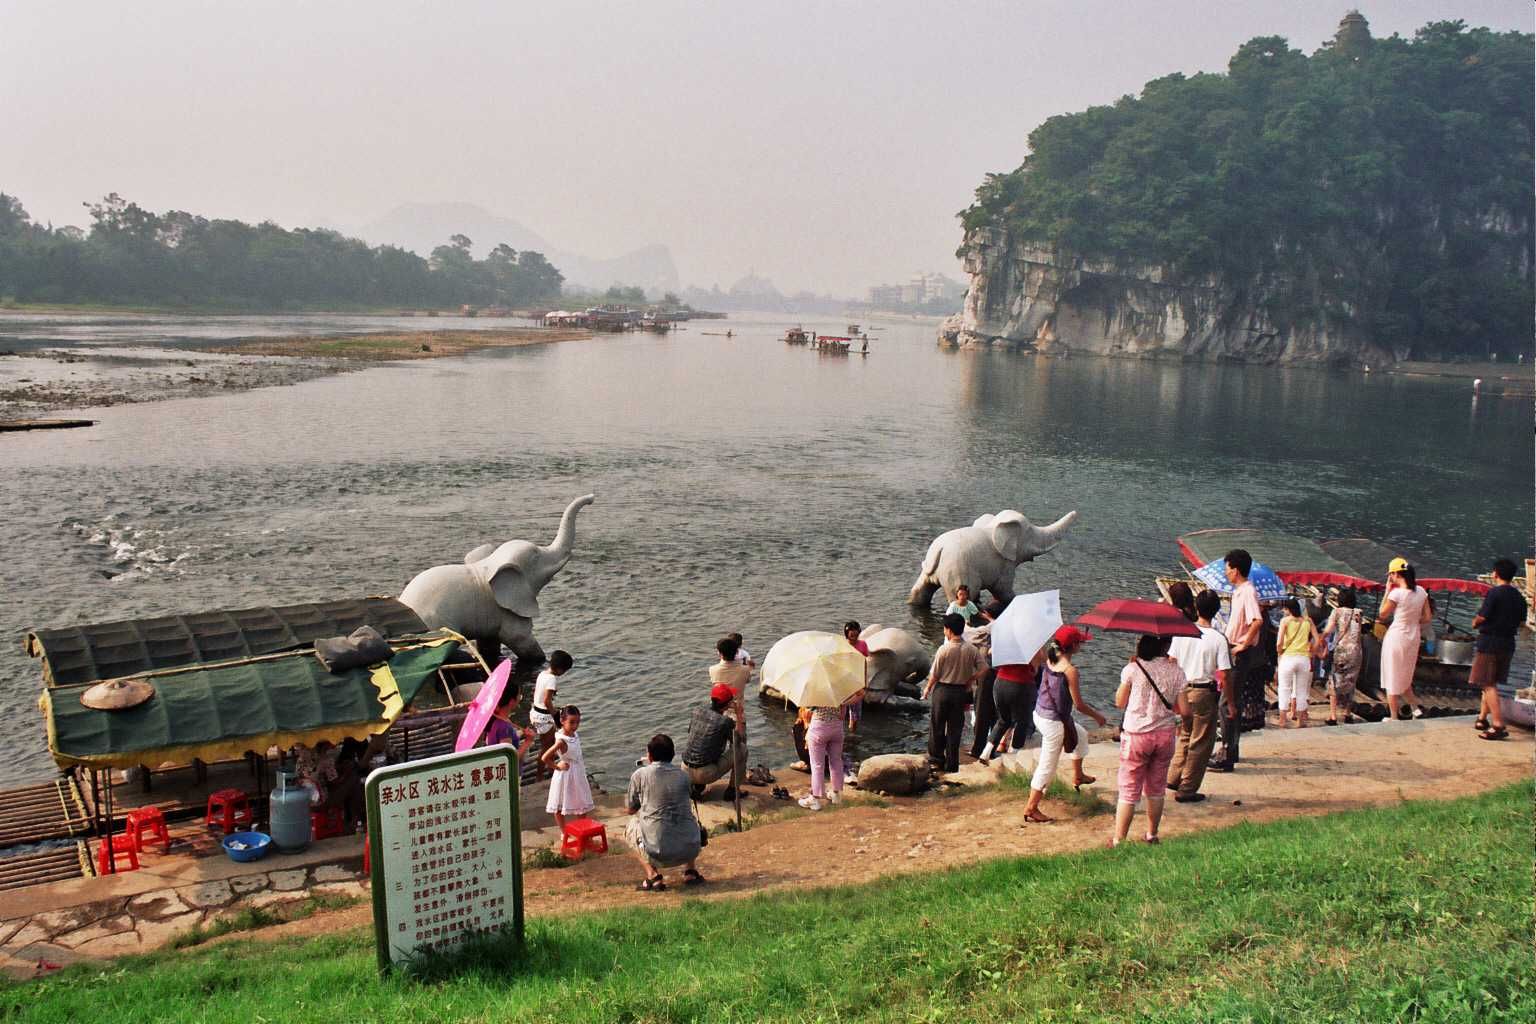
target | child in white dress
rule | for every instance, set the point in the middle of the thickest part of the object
(569, 793)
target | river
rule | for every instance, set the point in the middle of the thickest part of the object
(742, 485)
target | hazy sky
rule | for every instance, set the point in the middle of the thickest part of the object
(828, 145)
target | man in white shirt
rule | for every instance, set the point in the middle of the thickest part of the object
(1207, 665)
(1243, 625)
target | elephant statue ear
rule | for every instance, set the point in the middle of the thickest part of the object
(511, 573)
(483, 551)
(515, 592)
(1008, 535)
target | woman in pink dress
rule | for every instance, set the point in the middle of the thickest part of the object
(1406, 609)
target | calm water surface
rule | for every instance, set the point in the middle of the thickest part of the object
(742, 485)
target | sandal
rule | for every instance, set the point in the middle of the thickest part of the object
(1038, 818)
(1500, 733)
(1480, 723)
(657, 884)
(780, 793)
(1086, 780)
(1150, 838)
(692, 877)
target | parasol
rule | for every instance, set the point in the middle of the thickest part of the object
(1266, 582)
(482, 707)
(813, 669)
(1024, 627)
(1128, 615)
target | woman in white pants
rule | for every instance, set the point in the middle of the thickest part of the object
(1293, 677)
(1058, 695)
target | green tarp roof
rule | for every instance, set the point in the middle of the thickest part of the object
(225, 711)
(112, 650)
(1283, 552)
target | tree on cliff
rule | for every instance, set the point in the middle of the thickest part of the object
(1383, 182)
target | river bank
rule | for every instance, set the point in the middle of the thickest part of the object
(34, 382)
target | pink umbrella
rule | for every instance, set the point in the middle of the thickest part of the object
(482, 707)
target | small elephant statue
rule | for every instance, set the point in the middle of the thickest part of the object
(985, 555)
(897, 663)
(493, 596)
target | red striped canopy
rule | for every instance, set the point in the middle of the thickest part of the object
(1128, 615)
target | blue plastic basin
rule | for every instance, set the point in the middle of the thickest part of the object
(257, 845)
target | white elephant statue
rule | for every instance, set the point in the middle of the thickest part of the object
(493, 596)
(985, 555)
(897, 663)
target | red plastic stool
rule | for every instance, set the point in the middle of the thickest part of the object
(326, 822)
(228, 808)
(581, 835)
(142, 819)
(112, 849)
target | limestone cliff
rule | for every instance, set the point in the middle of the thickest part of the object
(1026, 296)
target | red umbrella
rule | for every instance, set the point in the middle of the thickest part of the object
(1127, 615)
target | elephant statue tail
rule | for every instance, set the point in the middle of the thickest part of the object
(927, 578)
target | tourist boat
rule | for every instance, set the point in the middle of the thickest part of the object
(1314, 572)
(853, 330)
(181, 706)
(798, 336)
(832, 345)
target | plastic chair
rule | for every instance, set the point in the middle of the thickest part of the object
(327, 822)
(112, 849)
(581, 835)
(142, 819)
(228, 808)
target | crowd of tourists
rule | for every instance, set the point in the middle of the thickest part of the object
(1179, 697)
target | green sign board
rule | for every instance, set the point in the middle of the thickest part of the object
(445, 850)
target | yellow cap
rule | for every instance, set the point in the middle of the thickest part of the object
(1397, 564)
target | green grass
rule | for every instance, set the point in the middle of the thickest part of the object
(1418, 912)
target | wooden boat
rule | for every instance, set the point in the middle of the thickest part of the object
(832, 345)
(798, 336)
(1315, 572)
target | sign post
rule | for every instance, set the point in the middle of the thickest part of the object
(445, 851)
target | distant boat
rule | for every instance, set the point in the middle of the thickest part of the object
(853, 329)
(798, 336)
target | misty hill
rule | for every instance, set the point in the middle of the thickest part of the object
(420, 227)
(1372, 197)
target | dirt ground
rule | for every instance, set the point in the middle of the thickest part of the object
(1282, 775)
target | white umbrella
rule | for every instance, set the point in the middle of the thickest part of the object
(813, 669)
(1024, 627)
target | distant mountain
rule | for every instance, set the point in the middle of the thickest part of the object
(421, 227)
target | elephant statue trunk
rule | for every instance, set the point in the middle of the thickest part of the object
(985, 555)
(492, 597)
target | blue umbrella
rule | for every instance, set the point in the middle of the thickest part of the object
(1269, 586)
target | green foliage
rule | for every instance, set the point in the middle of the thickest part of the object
(132, 255)
(1387, 183)
(1419, 912)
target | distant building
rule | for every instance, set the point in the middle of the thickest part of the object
(930, 293)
